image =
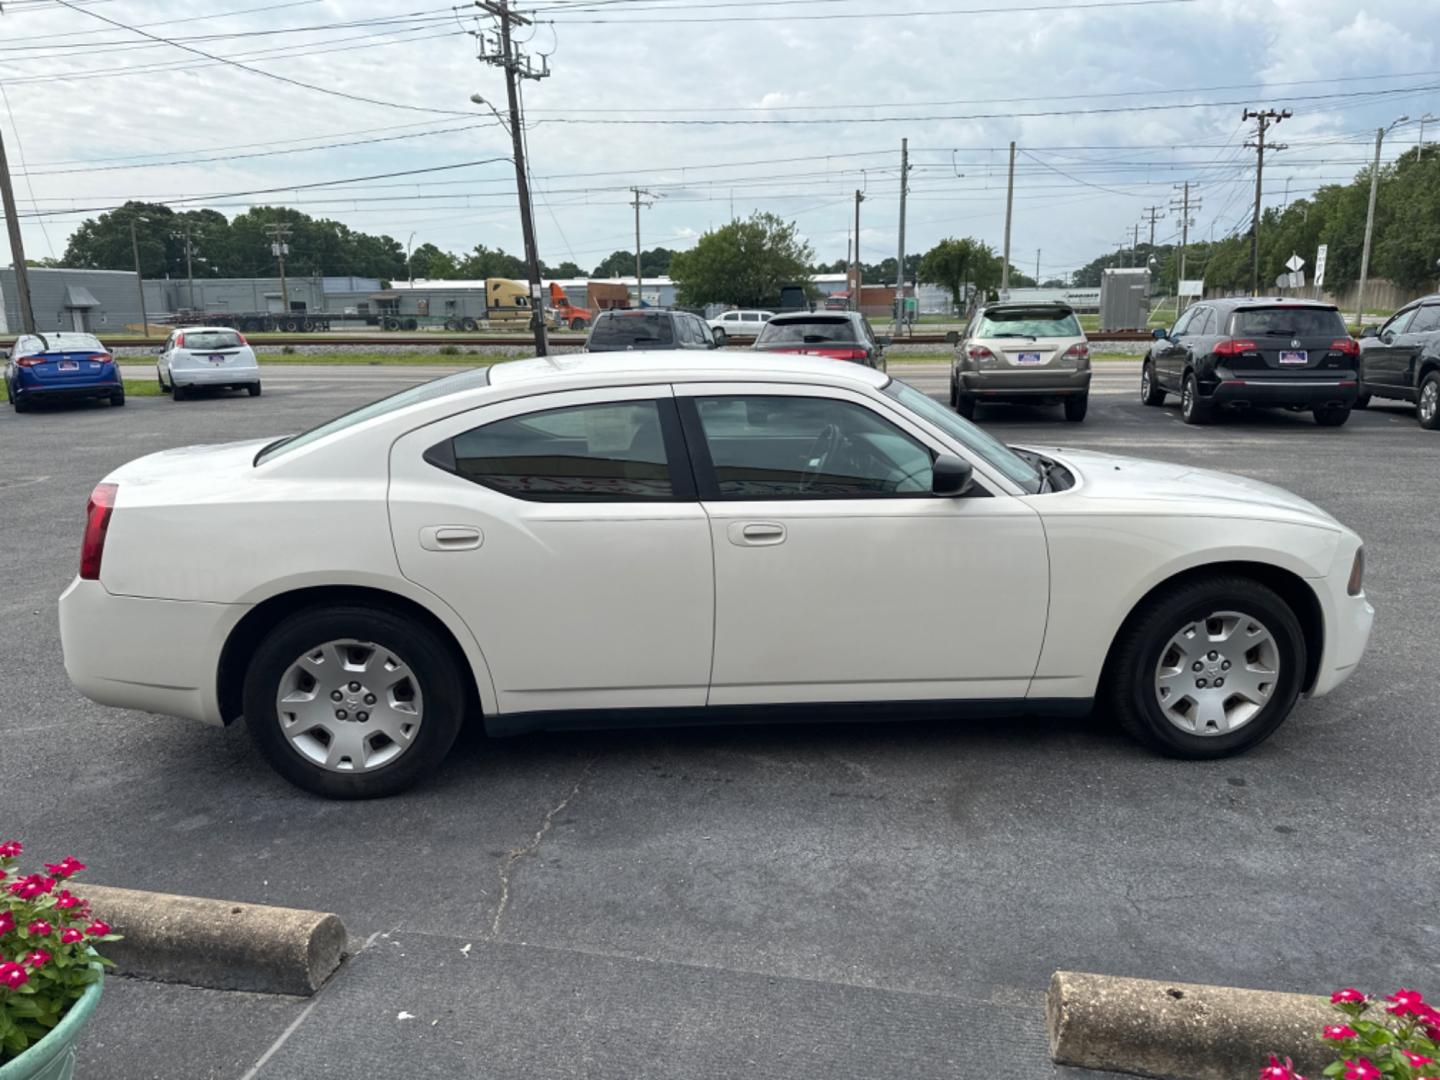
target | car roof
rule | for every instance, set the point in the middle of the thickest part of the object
(828, 316)
(1029, 305)
(669, 366)
(207, 329)
(1266, 301)
(1423, 301)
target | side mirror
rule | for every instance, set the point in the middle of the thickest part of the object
(1370, 331)
(951, 476)
(883, 341)
(952, 337)
(159, 348)
(1159, 333)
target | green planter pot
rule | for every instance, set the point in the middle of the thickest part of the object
(53, 1057)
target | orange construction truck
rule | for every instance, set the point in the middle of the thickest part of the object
(599, 296)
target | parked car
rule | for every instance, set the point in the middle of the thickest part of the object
(207, 356)
(1255, 352)
(629, 538)
(648, 328)
(839, 335)
(743, 322)
(1401, 360)
(1021, 353)
(60, 365)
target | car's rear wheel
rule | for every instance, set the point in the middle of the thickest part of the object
(1427, 409)
(1206, 669)
(254, 389)
(1363, 400)
(118, 399)
(1076, 407)
(20, 404)
(353, 703)
(965, 405)
(954, 391)
(1332, 416)
(178, 392)
(1193, 408)
(1150, 392)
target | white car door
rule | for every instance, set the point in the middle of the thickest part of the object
(565, 531)
(839, 576)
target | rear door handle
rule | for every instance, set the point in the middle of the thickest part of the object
(756, 533)
(450, 538)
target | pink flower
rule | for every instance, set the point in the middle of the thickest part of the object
(13, 976)
(65, 867)
(71, 936)
(39, 928)
(4, 874)
(1405, 1003)
(11, 849)
(27, 888)
(1339, 1031)
(37, 958)
(64, 900)
(1348, 996)
(1361, 1070)
(1416, 1060)
(1276, 1071)
(7, 922)
(98, 928)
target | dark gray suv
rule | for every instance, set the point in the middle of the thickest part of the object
(648, 328)
(1401, 360)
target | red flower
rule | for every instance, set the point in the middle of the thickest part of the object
(11, 849)
(7, 922)
(1276, 1071)
(64, 901)
(65, 867)
(37, 958)
(39, 928)
(1361, 1070)
(1339, 1031)
(98, 928)
(13, 976)
(1416, 1060)
(4, 874)
(71, 936)
(1348, 996)
(1405, 1003)
(27, 888)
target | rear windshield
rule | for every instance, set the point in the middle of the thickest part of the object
(469, 379)
(1288, 322)
(1030, 323)
(807, 331)
(212, 339)
(58, 343)
(638, 330)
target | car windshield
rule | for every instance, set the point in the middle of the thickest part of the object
(1288, 322)
(212, 339)
(991, 450)
(1029, 323)
(469, 379)
(639, 329)
(807, 331)
(58, 343)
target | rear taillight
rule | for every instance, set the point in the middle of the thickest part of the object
(979, 352)
(1346, 346)
(97, 523)
(1077, 352)
(242, 339)
(1357, 573)
(179, 341)
(29, 361)
(1233, 347)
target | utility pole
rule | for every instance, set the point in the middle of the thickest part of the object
(1264, 120)
(189, 271)
(139, 281)
(638, 202)
(1037, 266)
(502, 53)
(1152, 215)
(1185, 223)
(1370, 220)
(859, 271)
(17, 248)
(900, 252)
(1009, 207)
(280, 247)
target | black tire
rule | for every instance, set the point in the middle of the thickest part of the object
(1193, 408)
(117, 400)
(1332, 417)
(254, 389)
(428, 658)
(965, 406)
(1130, 680)
(1363, 400)
(160, 377)
(954, 391)
(290, 326)
(721, 338)
(469, 325)
(577, 324)
(20, 404)
(179, 393)
(1150, 392)
(411, 324)
(1430, 420)
(1076, 407)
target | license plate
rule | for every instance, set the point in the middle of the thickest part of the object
(1029, 358)
(1294, 356)
(69, 365)
(218, 359)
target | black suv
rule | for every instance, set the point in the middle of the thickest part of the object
(618, 330)
(1259, 352)
(1402, 359)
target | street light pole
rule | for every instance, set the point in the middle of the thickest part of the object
(1370, 221)
(409, 269)
(139, 281)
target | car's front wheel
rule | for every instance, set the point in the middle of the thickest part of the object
(1150, 392)
(721, 338)
(353, 703)
(160, 377)
(1427, 409)
(1209, 668)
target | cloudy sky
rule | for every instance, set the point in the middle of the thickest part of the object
(721, 107)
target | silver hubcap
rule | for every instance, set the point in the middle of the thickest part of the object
(1187, 398)
(350, 706)
(1429, 399)
(1217, 673)
(1145, 383)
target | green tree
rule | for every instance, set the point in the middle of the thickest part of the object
(653, 263)
(484, 263)
(104, 243)
(951, 264)
(743, 263)
(566, 269)
(429, 262)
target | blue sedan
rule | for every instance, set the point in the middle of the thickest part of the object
(61, 365)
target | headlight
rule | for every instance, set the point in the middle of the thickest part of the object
(1357, 573)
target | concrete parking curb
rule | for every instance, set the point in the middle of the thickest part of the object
(1180, 1031)
(218, 943)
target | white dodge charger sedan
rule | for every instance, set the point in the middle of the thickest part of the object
(626, 538)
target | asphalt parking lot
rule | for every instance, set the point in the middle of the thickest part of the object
(802, 901)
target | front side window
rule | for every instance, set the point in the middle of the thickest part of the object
(605, 451)
(1398, 323)
(974, 438)
(783, 447)
(1183, 323)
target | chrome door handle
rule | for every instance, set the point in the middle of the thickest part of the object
(451, 538)
(756, 533)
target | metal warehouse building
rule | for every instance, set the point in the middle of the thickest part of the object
(91, 300)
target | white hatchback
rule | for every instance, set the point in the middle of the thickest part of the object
(651, 537)
(207, 356)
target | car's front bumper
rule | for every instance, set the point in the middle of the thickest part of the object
(1242, 388)
(1348, 620)
(214, 376)
(997, 384)
(159, 656)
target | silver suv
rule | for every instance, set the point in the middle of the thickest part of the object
(1031, 353)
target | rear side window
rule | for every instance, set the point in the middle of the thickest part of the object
(1427, 320)
(1029, 322)
(211, 339)
(750, 316)
(1288, 322)
(807, 331)
(639, 330)
(608, 451)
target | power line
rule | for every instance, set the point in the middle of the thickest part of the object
(888, 14)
